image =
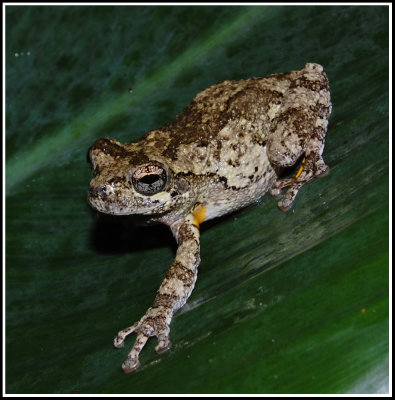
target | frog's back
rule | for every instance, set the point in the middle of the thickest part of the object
(224, 124)
(220, 139)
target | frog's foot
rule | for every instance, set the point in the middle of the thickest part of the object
(308, 170)
(154, 323)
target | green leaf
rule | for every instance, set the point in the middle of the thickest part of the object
(292, 302)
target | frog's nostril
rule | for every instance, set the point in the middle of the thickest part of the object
(97, 191)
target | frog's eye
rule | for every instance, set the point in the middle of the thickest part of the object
(149, 179)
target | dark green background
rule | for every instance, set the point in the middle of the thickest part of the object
(292, 302)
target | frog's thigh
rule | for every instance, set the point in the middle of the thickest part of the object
(299, 128)
(287, 140)
(301, 123)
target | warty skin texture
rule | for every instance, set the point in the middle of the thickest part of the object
(221, 153)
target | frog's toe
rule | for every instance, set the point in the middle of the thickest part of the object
(286, 202)
(275, 190)
(118, 343)
(322, 171)
(130, 365)
(132, 362)
(293, 185)
(120, 338)
(284, 205)
(163, 345)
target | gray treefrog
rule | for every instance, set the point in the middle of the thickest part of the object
(224, 151)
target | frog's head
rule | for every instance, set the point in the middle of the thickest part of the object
(127, 181)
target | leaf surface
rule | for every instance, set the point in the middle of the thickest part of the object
(292, 302)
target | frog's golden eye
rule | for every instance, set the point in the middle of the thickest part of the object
(149, 179)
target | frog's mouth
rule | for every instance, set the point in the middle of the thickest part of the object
(109, 201)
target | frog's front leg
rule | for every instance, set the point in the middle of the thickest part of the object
(172, 294)
(299, 128)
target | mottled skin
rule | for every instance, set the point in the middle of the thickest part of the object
(221, 153)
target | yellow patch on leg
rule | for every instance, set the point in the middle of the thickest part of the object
(300, 169)
(199, 214)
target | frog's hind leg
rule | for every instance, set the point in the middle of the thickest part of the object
(308, 170)
(299, 131)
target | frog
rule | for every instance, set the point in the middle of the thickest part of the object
(221, 153)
